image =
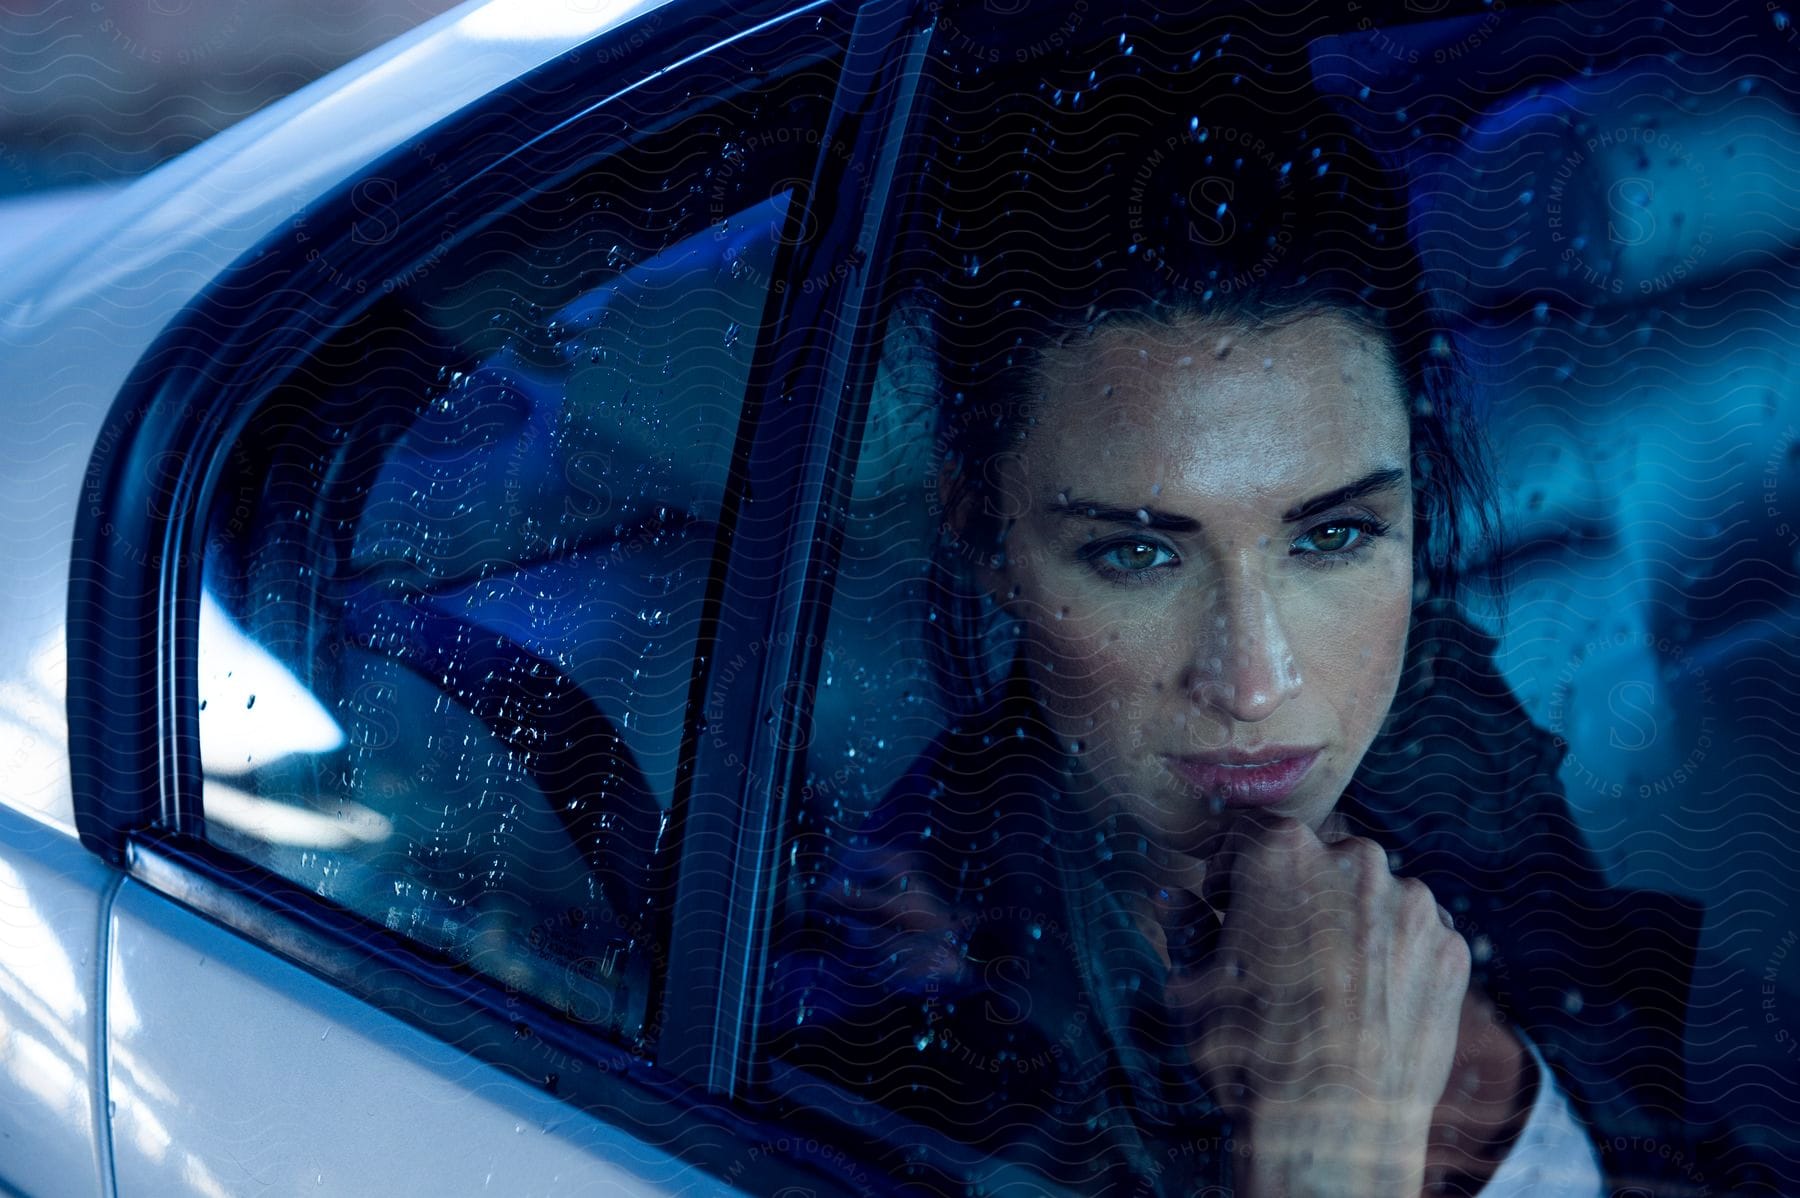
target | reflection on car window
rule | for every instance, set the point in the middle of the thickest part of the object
(444, 674)
(1224, 464)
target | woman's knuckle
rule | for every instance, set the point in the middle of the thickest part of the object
(1362, 858)
(1419, 909)
(1368, 855)
(1365, 867)
(1416, 900)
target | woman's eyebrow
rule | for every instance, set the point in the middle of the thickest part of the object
(1386, 478)
(1146, 517)
(1383, 479)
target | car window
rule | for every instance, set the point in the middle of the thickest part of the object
(456, 568)
(1058, 633)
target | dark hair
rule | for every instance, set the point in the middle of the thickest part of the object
(1218, 189)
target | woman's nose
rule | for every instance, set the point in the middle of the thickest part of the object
(1245, 667)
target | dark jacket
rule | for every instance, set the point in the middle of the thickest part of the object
(1462, 789)
(989, 1032)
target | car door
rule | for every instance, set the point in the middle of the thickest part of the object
(415, 560)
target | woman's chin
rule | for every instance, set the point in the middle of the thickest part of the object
(1199, 834)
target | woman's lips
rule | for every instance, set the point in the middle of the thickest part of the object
(1256, 785)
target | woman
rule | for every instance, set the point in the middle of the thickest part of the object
(1206, 489)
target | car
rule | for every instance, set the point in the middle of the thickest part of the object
(441, 598)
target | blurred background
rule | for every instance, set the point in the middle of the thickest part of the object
(96, 92)
(1613, 194)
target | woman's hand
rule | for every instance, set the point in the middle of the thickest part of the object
(1326, 1020)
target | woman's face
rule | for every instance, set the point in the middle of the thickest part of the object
(1211, 556)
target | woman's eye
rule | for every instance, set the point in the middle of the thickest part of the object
(1134, 557)
(1333, 538)
(1339, 540)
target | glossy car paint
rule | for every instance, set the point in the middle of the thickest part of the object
(341, 1101)
(53, 896)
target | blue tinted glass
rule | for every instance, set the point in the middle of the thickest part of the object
(445, 654)
(1385, 423)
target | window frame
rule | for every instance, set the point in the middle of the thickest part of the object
(800, 1098)
(133, 612)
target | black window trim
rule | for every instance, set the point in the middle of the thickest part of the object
(134, 742)
(723, 927)
(186, 397)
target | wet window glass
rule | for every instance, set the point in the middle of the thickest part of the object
(457, 566)
(1302, 703)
